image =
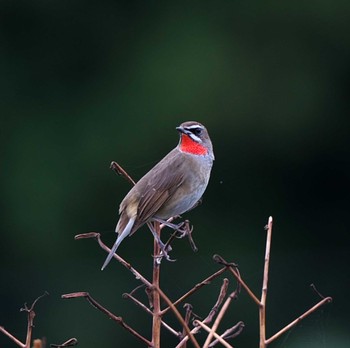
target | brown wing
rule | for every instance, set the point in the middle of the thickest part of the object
(157, 187)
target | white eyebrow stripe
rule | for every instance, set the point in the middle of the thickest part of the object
(194, 126)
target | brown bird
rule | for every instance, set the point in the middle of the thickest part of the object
(172, 187)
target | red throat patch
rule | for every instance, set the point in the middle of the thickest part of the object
(190, 146)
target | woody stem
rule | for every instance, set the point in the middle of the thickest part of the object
(156, 326)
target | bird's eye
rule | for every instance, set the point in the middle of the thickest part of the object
(196, 131)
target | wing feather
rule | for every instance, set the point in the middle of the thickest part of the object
(158, 186)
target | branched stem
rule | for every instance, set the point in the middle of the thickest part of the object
(30, 324)
(118, 320)
(220, 316)
(297, 320)
(234, 270)
(262, 307)
(179, 317)
(195, 288)
(208, 329)
(97, 236)
(155, 294)
(212, 313)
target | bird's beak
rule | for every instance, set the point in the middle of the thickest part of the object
(182, 130)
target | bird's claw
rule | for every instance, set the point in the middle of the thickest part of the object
(183, 229)
(159, 257)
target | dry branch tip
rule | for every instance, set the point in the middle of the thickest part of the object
(69, 343)
(220, 260)
(87, 235)
(75, 295)
(313, 287)
(31, 308)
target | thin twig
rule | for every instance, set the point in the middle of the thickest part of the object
(147, 310)
(210, 316)
(220, 316)
(207, 328)
(97, 236)
(70, 343)
(13, 338)
(262, 308)
(232, 332)
(233, 269)
(222, 295)
(120, 171)
(189, 309)
(313, 287)
(137, 302)
(195, 288)
(118, 320)
(178, 316)
(296, 321)
(30, 323)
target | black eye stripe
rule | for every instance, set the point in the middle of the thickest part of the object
(195, 130)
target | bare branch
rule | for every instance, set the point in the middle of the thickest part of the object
(69, 343)
(233, 332)
(147, 310)
(296, 321)
(220, 316)
(234, 270)
(207, 328)
(313, 287)
(188, 307)
(262, 307)
(127, 265)
(157, 318)
(30, 323)
(120, 171)
(118, 320)
(13, 338)
(195, 288)
(179, 317)
(210, 316)
(222, 295)
(137, 302)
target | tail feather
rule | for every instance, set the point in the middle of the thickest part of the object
(120, 238)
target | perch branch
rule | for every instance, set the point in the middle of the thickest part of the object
(157, 319)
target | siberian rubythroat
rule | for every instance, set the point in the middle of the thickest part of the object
(171, 187)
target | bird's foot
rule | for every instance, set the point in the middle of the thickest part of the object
(182, 229)
(163, 253)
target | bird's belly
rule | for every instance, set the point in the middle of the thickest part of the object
(179, 204)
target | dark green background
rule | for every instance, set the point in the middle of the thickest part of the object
(86, 82)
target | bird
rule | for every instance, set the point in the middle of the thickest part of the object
(172, 187)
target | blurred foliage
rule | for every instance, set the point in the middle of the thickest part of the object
(86, 82)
